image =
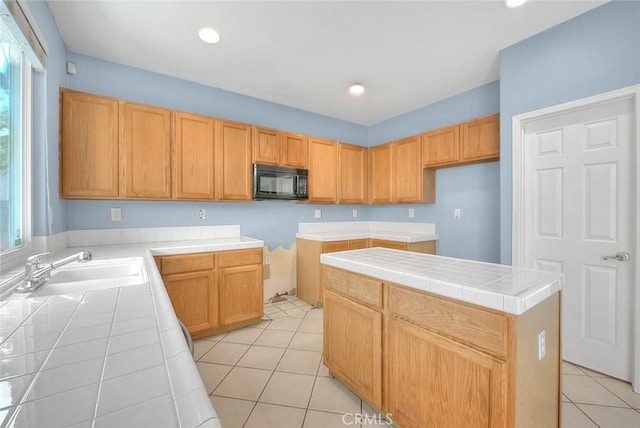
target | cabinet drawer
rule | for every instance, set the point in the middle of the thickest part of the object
(187, 263)
(389, 244)
(360, 288)
(335, 246)
(474, 326)
(357, 244)
(241, 257)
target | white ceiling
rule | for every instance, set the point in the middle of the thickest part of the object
(306, 54)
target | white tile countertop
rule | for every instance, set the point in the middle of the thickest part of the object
(504, 288)
(106, 358)
(390, 231)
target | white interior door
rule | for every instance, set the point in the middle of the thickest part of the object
(579, 208)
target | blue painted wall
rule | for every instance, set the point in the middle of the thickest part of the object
(596, 52)
(468, 105)
(474, 189)
(275, 222)
(49, 214)
(133, 84)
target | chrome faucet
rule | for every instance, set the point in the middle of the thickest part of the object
(35, 275)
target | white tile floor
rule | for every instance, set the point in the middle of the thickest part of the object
(271, 375)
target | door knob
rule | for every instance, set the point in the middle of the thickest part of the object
(620, 256)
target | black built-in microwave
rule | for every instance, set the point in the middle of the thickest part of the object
(278, 182)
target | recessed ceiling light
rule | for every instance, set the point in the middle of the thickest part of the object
(209, 35)
(514, 3)
(356, 89)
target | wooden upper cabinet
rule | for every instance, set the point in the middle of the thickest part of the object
(193, 156)
(234, 161)
(441, 146)
(474, 141)
(352, 174)
(89, 165)
(267, 146)
(323, 170)
(481, 138)
(408, 170)
(279, 148)
(145, 135)
(295, 150)
(381, 174)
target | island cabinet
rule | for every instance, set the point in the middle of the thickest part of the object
(214, 292)
(356, 302)
(431, 361)
(309, 284)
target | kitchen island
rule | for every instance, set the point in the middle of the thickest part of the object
(433, 341)
(106, 357)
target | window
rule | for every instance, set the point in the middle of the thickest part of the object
(15, 106)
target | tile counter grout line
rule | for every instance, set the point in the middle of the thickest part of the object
(104, 363)
(11, 416)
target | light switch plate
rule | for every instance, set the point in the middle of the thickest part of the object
(355, 213)
(412, 212)
(318, 213)
(541, 345)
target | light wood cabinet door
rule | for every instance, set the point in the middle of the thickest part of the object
(267, 146)
(437, 382)
(234, 161)
(441, 147)
(89, 163)
(146, 151)
(240, 294)
(323, 171)
(193, 156)
(381, 174)
(295, 150)
(194, 297)
(408, 170)
(352, 174)
(481, 138)
(356, 358)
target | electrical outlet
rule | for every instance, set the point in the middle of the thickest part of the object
(318, 213)
(202, 214)
(267, 260)
(412, 212)
(355, 213)
(116, 214)
(541, 345)
(457, 213)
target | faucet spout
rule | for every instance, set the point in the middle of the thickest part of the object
(35, 275)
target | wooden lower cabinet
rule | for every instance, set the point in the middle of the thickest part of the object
(214, 292)
(308, 269)
(194, 297)
(437, 382)
(444, 363)
(358, 358)
(426, 247)
(240, 294)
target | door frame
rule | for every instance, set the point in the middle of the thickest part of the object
(518, 226)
